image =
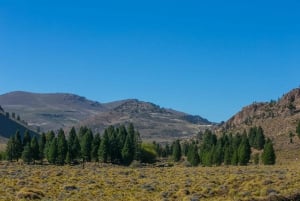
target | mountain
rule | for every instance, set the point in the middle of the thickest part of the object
(61, 110)
(50, 111)
(153, 122)
(277, 118)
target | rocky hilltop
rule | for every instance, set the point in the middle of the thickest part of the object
(278, 119)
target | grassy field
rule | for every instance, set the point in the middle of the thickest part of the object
(21, 182)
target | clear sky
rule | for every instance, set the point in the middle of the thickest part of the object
(209, 58)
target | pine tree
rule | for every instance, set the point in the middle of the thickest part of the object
(227, 155)
(268, 155)
(95, 147)
(218, 154)
(86, 145)
(42, 144)
(10, 149)
(52, 153)
(176, 151)
(26, 138)
(127, 151)
(244, 152)
(27, 154)
(62, 147)
(137, 146)
(192, 155)
(259, 139)
(235, 158)
(49, 138)
(104, 148)
(73, 146)
(34, 149)
(18, 145)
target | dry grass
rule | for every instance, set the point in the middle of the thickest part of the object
(150, 183)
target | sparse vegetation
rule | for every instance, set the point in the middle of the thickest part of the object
(109, 182)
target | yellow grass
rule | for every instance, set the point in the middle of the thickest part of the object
(149, 183)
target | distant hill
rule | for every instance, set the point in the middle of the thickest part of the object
(9, 127)
(62, 110)
(278, 119)
(153, 122)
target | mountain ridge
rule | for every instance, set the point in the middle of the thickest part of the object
(51, 111)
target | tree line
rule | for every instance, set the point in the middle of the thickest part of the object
(228, 149)
(119, 145)
(122, 145)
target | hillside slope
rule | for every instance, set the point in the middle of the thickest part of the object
(153, 122)
(50, 111)
(8, 127)
(277, 118)
(61, 110)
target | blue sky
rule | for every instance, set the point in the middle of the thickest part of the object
(209, 58)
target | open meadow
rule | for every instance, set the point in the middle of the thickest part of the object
(108, 182)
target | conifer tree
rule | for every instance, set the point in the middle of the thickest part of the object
(192, 155)
(268, 155)
(104, 148)
(235, 158)
(127, 150)
(42, 144)
(53, 151)
(176, 151)
(49, 138)
(244, 151)
(86, 145)
(27, 154)
(73, 146)
(95, 147)
(26, 138)
(227, 155)
(18, 147)
(10, 149)
(259, 139)
(34, 149)
(62, 147)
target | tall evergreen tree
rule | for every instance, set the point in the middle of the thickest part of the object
(73, 146)
(52, 153)
(34, 149)
(62, 147)
(259, 139)
(49, 138)
(192, 155)
(104, 148)
(10, 149)
(127, 151)
(268, 155)
(86, 145)
(95, 147)
(42, 144)
(176, 151)
(227, 155)
(235, 158)
(26, 138)
(18, 145)
(244, 151)
(27, 154)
